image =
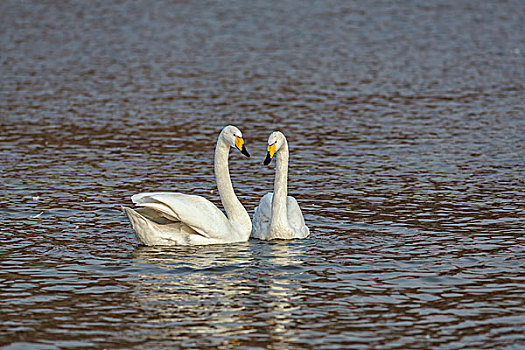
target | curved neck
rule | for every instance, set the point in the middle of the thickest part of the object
(279, 208)
(234, 209)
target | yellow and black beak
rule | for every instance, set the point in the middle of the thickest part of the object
(239, 143)
(269, 155)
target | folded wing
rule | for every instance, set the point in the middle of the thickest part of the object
(295, 218)
(262, 217)
(194, 211)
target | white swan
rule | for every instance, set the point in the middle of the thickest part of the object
(278, 216)
(171, 218)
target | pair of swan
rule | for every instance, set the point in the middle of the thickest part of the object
(171, 218)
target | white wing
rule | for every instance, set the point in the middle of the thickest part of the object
(196, 212)
(295, 218)
(262, 217)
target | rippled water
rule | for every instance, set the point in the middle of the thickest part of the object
(407, 136)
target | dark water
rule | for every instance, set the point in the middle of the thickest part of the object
(407, 134)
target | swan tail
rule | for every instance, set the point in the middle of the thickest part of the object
(152, 229)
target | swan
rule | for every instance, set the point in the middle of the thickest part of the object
(172, 218)
(278, 216)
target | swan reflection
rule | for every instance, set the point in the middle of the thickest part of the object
(222, 290)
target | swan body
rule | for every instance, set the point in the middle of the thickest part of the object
(278, 215)
(172, 218)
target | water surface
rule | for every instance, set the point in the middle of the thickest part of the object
(407, 136)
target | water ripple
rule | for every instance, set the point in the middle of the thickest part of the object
(405, 124)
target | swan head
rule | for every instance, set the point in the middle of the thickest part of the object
(233, 137)
(275, 142)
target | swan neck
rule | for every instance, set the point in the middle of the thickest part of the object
(234, 209)
(279, 207)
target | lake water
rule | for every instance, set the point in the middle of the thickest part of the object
(406, 125)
